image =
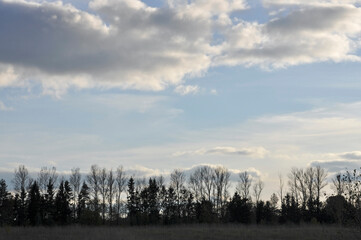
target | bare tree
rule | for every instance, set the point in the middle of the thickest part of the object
(46, 176)
(338, 184)
(93, 180)
(257, 189)
(207, 174)
(320, 182)
(301, 185)
(74, 180)
(293, 183)
(221, 183)
(110, 182)
(244, 185)
(177, 179)
(103, 190)
(281, 185)
(22, 180)
(196, 184)
(22, 183)
(309, 180)
(121, 182)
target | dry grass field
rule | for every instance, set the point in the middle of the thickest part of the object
(196, 232)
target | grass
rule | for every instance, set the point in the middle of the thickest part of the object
(196, 232)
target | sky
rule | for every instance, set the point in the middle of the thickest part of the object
(259, 86)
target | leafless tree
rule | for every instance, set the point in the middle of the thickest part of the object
(22, 181)
(338, 184)
(221, 183)
(207, 174)
(301, 185)
(320, 182)
(196, 184)
(281, 186)
(293, 183)
(103, 190)
(46, 176)
(244, 185)
(110, 182)
(177, 180)
(75, 178)
(309, 180)
(257, 189)
(121, 182)
(93, 180)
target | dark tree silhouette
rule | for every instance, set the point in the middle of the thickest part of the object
(62, 203)
(34, 204)
(6, 204)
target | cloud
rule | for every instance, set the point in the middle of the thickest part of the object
(3, 107)
(269, 3)
(336, 166)
(125, 44)
(129, 45)
(351, 155)
(307, 35)
(258, 152)
(185, 90)
(140, 171)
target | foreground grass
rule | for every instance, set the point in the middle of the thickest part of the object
(196, 232)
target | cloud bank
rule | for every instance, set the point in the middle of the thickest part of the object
(130, 45)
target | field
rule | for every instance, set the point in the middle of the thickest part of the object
(196, 232)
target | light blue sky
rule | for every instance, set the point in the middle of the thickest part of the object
(273, 93)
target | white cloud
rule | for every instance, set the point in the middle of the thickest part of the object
(308, 2)
(3, 107)
(127, 44)
(257, 152)
(186, 89)
(320, 33)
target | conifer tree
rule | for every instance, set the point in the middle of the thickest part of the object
(34, 203)
(5, 204)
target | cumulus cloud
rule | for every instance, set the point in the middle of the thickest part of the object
(128, 44)
(257, 152)
(308, 2)
(320, 33)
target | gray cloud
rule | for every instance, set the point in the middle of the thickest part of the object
(336, 166)
(121, 45)
(128, 44)
(306, 35)
(351, 155)
(256, 152)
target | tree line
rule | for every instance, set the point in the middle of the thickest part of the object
(107, 197)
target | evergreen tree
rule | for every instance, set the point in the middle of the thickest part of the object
(49, 208)
(133, 203)
(34, 203)
(62, 203)
(6, 201)
(16, 210)
(170, 214)
(239, 209)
